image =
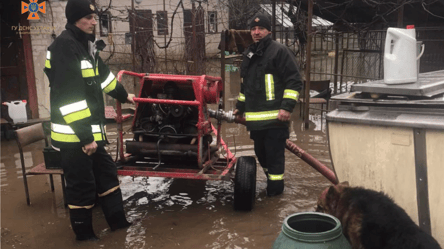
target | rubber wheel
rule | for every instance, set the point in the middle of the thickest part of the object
(245, 183)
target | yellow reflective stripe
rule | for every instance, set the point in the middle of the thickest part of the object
(109, 191)
(66, 129)
(275, 177)
(291, 94)
(69, 138)
(73, 107)
(269, 87)
(260, 116)
(111, 86)
(48, 58)
(86, 73)
(87, 69)
(98, 136)
(241, 97)
(64, 133)
(47, 64)
(75, 111)
(72, 138)
(108, 81)
(77, 116)
(78, 207)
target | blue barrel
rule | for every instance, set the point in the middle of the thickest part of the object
(311, 230)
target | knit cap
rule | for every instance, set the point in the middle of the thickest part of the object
(77, 9)
(260, 20)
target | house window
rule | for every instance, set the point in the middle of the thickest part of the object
(162, 23)
(105, 24)
(212, 22)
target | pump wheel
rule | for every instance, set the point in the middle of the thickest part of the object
(245, 183)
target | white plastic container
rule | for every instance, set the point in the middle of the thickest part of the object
(17, 111)
(400, 56)
(419, 52)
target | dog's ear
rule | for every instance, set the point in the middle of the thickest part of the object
(332, 197)
(333, 191)
(323, 195)
(341, 186)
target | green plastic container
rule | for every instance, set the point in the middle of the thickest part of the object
(311, 230)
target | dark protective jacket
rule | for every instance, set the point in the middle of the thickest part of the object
(271, 81)
(77, 77)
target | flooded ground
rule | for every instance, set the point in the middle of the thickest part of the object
(166, 213)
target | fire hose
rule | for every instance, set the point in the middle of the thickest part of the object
(292, 147)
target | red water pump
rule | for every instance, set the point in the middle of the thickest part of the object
(171, 120)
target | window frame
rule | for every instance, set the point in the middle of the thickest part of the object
(102, 32)
(210, 24)
(162, 27)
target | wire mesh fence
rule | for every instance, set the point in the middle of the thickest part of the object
(347, 58)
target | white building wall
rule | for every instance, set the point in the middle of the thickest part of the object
(175, 49)
(53, 21)
(119, 53)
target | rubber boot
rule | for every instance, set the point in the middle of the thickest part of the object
(275, 187)
(81, 222)
(112, 206)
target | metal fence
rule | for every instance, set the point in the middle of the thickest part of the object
(433, 57)
(357, 57)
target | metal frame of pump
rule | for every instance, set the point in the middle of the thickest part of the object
(207, 90)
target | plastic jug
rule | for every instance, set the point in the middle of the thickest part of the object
(400, 60)
(17, 111)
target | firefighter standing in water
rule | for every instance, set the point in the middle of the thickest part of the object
(77, 77)
(269, 92)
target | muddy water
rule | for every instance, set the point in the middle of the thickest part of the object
(166, 213)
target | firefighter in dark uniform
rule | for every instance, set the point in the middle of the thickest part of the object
(269, 91)
(77, 77)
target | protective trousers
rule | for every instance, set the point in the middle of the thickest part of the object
(86, 178)
(269, 147)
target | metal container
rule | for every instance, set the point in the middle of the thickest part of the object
(391, 142)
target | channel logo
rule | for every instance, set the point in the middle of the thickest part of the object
(33, 8)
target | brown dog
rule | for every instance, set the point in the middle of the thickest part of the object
(371, 219)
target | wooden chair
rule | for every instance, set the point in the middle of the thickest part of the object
(323, 87)
(29, 135)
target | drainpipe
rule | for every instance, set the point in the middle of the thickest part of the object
(273, 19)
(308, 65)
(165, 39)
(133, 43)
(401, 14)
(29, 66)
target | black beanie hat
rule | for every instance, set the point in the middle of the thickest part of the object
(76, 9)
(260, 20)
